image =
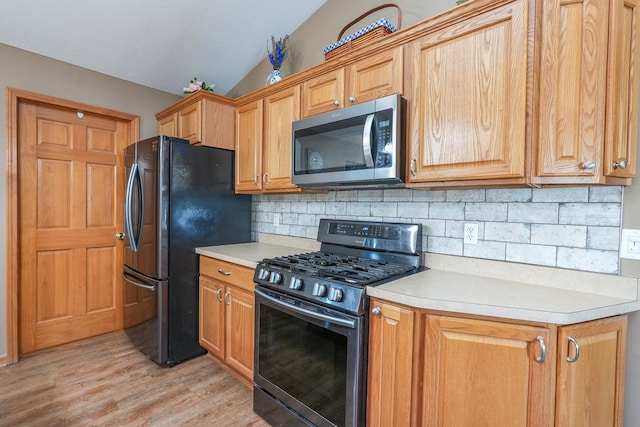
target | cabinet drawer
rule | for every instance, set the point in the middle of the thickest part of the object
(228, 272)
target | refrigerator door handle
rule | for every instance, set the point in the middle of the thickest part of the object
(134, 177)
(127, 278)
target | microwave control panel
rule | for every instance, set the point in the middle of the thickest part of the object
(384, 138)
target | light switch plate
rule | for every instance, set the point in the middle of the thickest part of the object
(630, 244)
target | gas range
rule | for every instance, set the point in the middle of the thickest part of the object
(353, 255)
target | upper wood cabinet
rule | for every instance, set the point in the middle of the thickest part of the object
(468, 99)
(263, 152)
(364, 80)
(202, 118)
(588, 94)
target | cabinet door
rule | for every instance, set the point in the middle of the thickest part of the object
(280, 109)
(249, 148)
(590, 383)
(168, 125)
(469, 90)
(239, 330)
(622, 97)
(375, 77)
(390, 365)
(323, 93)
(486, 373)
(211, 332)
(190, 123)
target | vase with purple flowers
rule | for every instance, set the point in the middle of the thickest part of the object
(277, 55)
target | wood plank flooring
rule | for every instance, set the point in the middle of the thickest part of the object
(105, 381)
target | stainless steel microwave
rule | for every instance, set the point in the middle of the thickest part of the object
(361, 146)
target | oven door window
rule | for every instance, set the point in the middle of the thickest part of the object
(311, 361)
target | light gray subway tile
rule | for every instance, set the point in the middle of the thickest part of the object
(298, 230)
(606, 238)
(299, 207)
(325, 197)
(336, 208)
(311, 232)
(531, 254)
(541, 213)
(264, 216)
(605, 193)
(290, 218)
(559, 235)
(397, 195)
(359, 209)
(456, 228)
(283, 207)
(509, 195)
(413, 211)
(485, 212)
(429, 195)
(562, 194)
(385, 209)
(446, 210)
(282, 229)
(318, 208)
(595, 260)
(267, 228)
(433, 227)
(507, 232)
(465, 195)
(444, 245)
(601, 214)
(347, 196)
(370, 195)
(308, 220)
(486, 249)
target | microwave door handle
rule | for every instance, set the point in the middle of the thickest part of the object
(366, 140)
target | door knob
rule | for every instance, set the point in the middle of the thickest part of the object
(120, 236)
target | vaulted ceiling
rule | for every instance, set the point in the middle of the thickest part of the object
(156, 43)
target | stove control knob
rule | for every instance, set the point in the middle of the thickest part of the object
(335, 294)
(275, 277)
(263, 274)
(295, 283)
(319, 290)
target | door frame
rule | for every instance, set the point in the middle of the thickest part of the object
(13, 98)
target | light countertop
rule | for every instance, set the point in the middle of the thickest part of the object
(479, 287)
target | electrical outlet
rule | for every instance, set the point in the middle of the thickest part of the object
(630, 244)
(471, 234)
(276, 219)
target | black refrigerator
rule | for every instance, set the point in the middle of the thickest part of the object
(178, 197)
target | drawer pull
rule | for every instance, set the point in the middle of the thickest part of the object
(224, 273)
(543, 350)
(219, 295)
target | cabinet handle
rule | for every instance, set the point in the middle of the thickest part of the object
(226, 297)
(376, 311)
(225, 273)
(588, 165)
(352, 99)
(622, 164)
(577, 348)
(543, 350)
(265, 179)
(218, 297)
(336, 103)
(255, 180)
(412, 167)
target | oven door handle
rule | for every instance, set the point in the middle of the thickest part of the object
(319, 316)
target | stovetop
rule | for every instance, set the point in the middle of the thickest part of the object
(353, 255)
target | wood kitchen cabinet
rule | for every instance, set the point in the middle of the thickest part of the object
(434, 369)
(227, 314)
(367, 79)
(487, 373)
(468, 99)
(588, 93)
(263, 153)
(201, 118)
(591, 366)
(391, 334)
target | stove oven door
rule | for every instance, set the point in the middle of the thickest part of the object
(309, 363)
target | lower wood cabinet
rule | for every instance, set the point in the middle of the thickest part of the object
(227, 314)
(474, 371)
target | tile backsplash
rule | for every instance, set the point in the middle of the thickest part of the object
(575, 228)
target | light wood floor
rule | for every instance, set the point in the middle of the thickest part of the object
(105, 381)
